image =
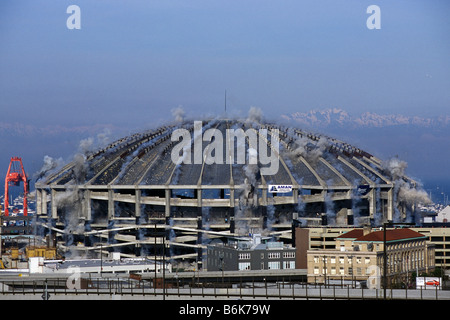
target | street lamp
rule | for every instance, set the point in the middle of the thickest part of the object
(385, 253)
(221, 256)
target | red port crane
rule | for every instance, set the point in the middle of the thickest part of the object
(14, 176)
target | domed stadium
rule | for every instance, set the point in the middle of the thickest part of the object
(182, 186)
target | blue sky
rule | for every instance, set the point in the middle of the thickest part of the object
(133, 61)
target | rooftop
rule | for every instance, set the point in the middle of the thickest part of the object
(352, 234)
(391, 235)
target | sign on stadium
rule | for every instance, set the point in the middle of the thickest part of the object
(280, 188)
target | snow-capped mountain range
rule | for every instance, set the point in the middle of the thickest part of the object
(339, 117)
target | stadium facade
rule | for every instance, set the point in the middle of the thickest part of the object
(173, 190)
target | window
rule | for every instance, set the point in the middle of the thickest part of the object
(274, 264)
(316, 270)
(289, 265)
(244, 265)
(332, 259)
(289, 254)
(367, 260)
(273, 255)
(244, 256)
(341, 260)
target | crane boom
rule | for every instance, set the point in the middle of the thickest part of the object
(14, 176)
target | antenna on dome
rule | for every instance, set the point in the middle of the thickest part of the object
(225, 101)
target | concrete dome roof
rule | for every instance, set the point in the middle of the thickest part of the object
(148, 158)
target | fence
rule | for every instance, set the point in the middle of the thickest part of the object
(129, 288)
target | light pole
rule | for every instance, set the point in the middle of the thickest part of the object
(221, 256)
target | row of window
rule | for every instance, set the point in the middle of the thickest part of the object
(333, 260)
(333, 271)
(270, 255)
(270, 265)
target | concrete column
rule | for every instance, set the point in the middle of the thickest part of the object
(372, 203)
(231, 219)
(264, 216)
(199, 238)
(232, 197)
(86, 212)
(139, 236)
(294, 195)
(38, 202)
(137, 204)
(110, 204)
(168, 222)
(167, 212)
(199, 197)
(264, 196)
(350, 217)
(54, 210)
(43, 202)
(390, 204)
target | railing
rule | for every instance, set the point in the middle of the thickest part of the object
(128, 288)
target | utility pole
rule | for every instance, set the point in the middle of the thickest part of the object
(164, 267)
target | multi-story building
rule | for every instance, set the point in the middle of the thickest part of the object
(325, 237)
(250, 254)
(359, 255)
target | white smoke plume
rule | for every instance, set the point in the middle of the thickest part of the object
(395, 167)
(80, 168)
(178, 113)
(311, 152)
(104, 138)
(50, 165)
(92, 143)
(413, 195)
(255, 115)
(86, 145)
(406, 195)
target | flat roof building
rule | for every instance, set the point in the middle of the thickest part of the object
(250, 254)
